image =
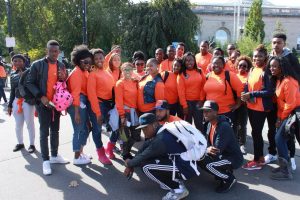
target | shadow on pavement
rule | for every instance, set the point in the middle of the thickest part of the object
(61, 178)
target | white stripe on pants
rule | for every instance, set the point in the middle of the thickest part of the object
(28, 116)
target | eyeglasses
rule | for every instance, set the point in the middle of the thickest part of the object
(86, 62)
(244, 66)
(140, 64)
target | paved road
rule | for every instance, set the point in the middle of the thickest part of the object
(22, 177)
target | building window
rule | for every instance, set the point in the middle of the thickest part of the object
(221, 36)
(298, 43)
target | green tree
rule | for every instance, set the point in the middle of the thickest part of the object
(279, 28)
(147, 26)
(254, 27)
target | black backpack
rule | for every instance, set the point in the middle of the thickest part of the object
(24, 92)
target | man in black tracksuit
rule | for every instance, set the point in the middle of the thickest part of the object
(223, 153)
(154, 159)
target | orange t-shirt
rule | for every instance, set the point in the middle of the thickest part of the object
(172, 118)
(255, 83)
(243, 78)
(100, 84)
(52, 79)
(159, 94)
(230, 66)
(171, 92)
(126, 95)
(212, 132)
(288, 96)
(203, 61)
(116, 74)
(2, 72)
(77, 84)
(190, 87)
(215, 90)
(138, 76)
(166, 65)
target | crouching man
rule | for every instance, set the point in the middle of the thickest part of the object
(223, 154)
(155, 161)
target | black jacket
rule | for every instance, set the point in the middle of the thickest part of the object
(161, 146)
(14, 82)
(38, 77)
(225, 140)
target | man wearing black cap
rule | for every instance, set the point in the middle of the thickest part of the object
(155, 162)
(162, 112)
(223, 153)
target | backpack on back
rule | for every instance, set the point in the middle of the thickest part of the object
(193, 140)
(62, 98)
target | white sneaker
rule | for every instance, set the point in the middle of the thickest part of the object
(89, 156)
(81, 160)
(173, 195)
(270, 158)
(243, 149)
(47, 168)
(293, 164)
(58, 159)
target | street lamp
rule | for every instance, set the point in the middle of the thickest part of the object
(84, 24)
(8, 11)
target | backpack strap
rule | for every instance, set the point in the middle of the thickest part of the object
(166, 76)
(227, 79)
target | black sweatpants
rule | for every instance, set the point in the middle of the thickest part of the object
(160, 170)
(220, 168)
(272, 118)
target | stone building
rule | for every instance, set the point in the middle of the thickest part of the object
(225, 20)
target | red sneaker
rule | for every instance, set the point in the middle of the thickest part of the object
(252, 165)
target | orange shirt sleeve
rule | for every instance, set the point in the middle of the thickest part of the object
(290, 94)
(119, 91)
(236, 84)
(2, 72)
(74, 83)
(159, 91)
(106, 61)
(92, 93)
(181, 91)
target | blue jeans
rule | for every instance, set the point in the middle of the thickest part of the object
(80, 134)
(105, 107)
(281, 142)
(96, 129)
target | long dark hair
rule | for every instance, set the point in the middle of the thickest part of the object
(183, 67)
(286, 69)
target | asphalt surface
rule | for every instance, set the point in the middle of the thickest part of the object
(22, 178)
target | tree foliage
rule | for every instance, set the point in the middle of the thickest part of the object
(254, 27)
(158, 24)
(142, 26)
(279, 28)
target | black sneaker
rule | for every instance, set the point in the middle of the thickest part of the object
(18, 147)
(31, 149)
(225, 186)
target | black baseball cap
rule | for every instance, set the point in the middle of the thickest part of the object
(210, 105)
(146, 119)
(161, 105)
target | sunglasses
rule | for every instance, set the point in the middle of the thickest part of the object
(244, 66)
(86, 62)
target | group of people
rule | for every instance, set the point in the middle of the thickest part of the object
(215, 93)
